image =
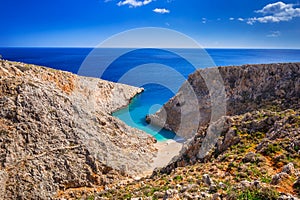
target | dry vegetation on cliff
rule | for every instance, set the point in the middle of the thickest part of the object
(260, 161)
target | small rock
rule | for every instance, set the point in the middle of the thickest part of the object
(256, 184)
(243, 175)
(279, 158)
(216, 196)
(213, 188)
(222, 185)
(260, 159)
(158, 194)
(178, 186)
(245, 184)
(207, 180)
(188, 196)
(277, 178)
(287, 197)
(171, 194)
(250, 157)
(297, 183)
(289, 168)
(187, 188)
(106, 188)
(205, 195)
(183, 189)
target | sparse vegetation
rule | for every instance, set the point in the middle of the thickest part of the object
(271, 149)
(255, 194)
(266, 162)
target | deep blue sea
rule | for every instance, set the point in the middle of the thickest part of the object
(159, 72)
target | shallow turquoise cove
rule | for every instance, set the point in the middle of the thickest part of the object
(134, 116)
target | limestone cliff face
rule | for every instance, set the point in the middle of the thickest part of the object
(246, 88)
(57, 135)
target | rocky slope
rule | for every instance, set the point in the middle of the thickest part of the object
(256, 157)
(251, 153)
(211, 93)
(57, 137)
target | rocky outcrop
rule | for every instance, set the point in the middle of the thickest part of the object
(212, 93)
(260, 161)
(57, 136)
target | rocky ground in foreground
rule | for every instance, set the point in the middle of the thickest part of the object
(257, 157)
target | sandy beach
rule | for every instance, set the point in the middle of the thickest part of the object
(166, 151)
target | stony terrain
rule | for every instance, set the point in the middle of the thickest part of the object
(252, 153)
(256, 157)
(57, 137)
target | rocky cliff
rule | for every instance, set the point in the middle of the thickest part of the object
(57, 137)
(255, 157)
(251, 153)
(212, 93)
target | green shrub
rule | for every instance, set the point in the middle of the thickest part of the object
(266, 179)
(271, 149)
(91, 197)
(178, 178)
(254, 194)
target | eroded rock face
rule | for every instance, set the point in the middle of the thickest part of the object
(57, 134)
(247, 88)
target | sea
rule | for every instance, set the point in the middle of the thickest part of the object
(160, 72)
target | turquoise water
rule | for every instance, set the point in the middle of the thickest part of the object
(134, 116)
(160, 82)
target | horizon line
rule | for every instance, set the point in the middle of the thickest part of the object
(93, 47)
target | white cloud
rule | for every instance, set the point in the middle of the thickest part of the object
(134, 3)
(276, 12)
(274, 34)
(241, 19)
(274, 8)
(204, 20)
(231, 18)
(161, 10)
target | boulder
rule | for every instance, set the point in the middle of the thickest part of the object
(207, 180)
(277, 178)
(289, 169)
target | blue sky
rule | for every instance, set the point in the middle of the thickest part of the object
(212, 23)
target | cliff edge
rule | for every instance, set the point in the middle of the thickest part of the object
(241, 89)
